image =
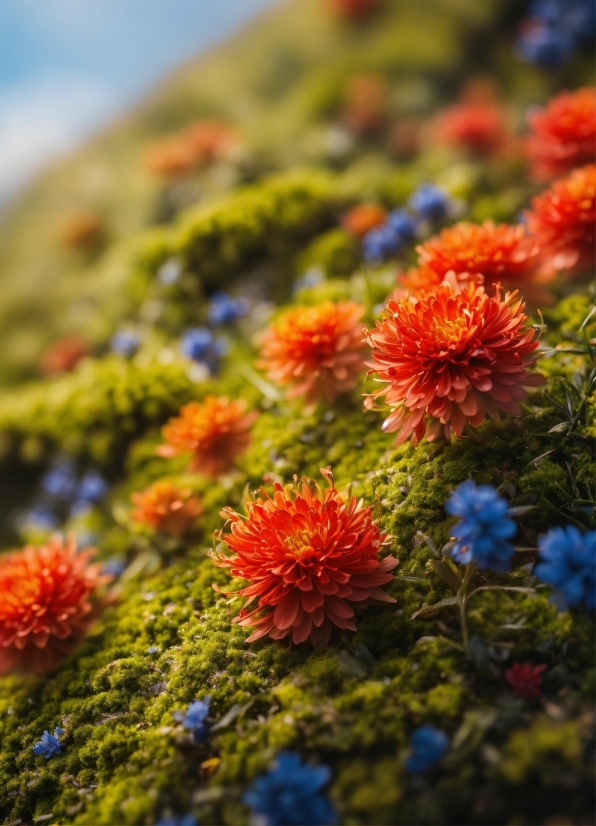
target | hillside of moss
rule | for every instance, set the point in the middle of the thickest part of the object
(270, 230)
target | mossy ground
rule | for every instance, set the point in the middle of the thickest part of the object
(166, 636)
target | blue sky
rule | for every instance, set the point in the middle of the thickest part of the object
(68, 66)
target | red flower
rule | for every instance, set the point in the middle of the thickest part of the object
(525, 680)
(362, 218)
(563, 220)
(216, 431)
(316, 350)
(481, 254)
(450, 359)
(166, 507)
(308, 556)
(563, 134)
(44, 602)
(63, 356)
(479, 126)
(353, 9)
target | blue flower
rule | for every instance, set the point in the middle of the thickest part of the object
(381, 243)
(402, 223)
(172, 820)
(223, 309)
(48, 745)
(126, 343)
(484, 528)
(567, 560)
(428, 746)
(430, 202)
(553, 30)
(545, 45)
(42, 516)
(193, 719)
(291, 793)
(92, 487)
(199, 345)
(60, 481)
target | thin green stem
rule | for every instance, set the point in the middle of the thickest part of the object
(463, 605)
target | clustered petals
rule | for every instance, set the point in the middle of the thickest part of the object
(563, 134)
(362, 218)
(309, 556)
(479, 126)
(525, 680)
(316, 351)
(44, 602)
(166, 507)
(450, 359)
(215, 432)
(563, 220)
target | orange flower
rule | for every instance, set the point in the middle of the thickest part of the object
(44, 602)
(63, 356)
(365, 102)
(563, 134)
(209, 140)
(478, 126)
(169, 158)
(362, 218)
(308, 556)
(563, 218)
(83, 232)
(316, 350)
(451, 359)
(166, 507)
(481, 254)
(216, 431)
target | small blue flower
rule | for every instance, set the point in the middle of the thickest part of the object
(291, 793)
(199, 345)
(194, 718)
(170, 271)
(567, 560)
(153, 649)
(430, 202)
(60, 481)
(126, 343)
(484, 527)
(223, 309)
(172, 820)
(554, 29)
(545, 45)
(402, 223)
(42, 517)
(48, 745)
(381, 243)
(92, 487)
(428, 746)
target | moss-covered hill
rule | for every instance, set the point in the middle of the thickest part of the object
(165, 636)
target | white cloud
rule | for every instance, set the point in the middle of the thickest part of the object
(45, 118)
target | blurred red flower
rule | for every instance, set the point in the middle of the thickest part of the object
(63, 356)
(166, 507)
(450, 359)
(215, 431)
(525, 680)
(308, 556)
(563, 134)
(479, 126)
(44, 602)
(353, 9)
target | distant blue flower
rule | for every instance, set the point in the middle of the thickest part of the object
(194, 718)
(484, 527)
(48, 745)
(291, 793)
(544, 45)
(567, 560)
(223, 309)
(42, 517)
(554, 29)
(60, 481)
(126, 343)
(381, 243)
(199, 345)
(428, 746)
(153, 649)
(402, 223)
(311, 278)
(170, 271)
(172, 820)
(92, 487)
(430, 202)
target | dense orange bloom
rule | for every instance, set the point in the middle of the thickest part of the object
(166, 507)
(169, 158)
(196, 146)
(563, 220)
(362, 218)
(353, 9)
(83, 232)
(482, 254)
(63, 356)
(308, 555)
(44, 602)
(365, 102)
(450, 359)
(563, 134)
(216, 431)
(479, 126)
(318, 350)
